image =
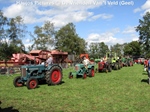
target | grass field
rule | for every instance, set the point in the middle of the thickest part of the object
(125, 90)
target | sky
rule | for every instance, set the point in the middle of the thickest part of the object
(108, 21)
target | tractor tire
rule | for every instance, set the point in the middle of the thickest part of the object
(99, 70)
(16, 83)
(32, 83)
(84, 76)
(119, 67)
(54, 76)
(91, 72)
(116, 67)
(132, 63)
(106, 70)
(70, 75)
(109, 69)
(129, 64)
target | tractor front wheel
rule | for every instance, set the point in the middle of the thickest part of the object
(54, 76)
(91, 72)
(17, 83)
(32, 83)
(84, 76)
(70, 75)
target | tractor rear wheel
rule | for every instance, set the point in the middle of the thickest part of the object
(128, 63)
(16, 83)
(131, 64)
(54, 76)
(106, 70)
(91, 72)
(116, 66)
(32, 83)
(109, 68)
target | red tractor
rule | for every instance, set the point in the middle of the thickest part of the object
(104, 67)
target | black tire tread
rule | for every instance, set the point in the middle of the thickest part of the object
(48, 75)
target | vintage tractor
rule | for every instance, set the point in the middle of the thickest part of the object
(82, 71)
(114, 61)
(32, 74)
(114, 64)
(104, 67)
(130, 61)
(124, 61)
(127, 61)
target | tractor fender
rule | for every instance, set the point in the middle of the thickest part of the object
(51, 66)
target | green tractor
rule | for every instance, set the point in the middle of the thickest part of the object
(32, 74)
(127, 61)
(124, 61)
(82, 71)
(130, 61)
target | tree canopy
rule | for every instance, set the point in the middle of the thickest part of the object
(68, 40)
(11, 32)
(117, 48)
(144, 33)
(132, 48)
(43, 37)
(98, 50)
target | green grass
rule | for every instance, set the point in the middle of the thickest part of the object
(118, 91)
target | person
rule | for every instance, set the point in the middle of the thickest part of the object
(145, 64)
(148, 69)
(86, 61)
(104, 59)
(49, 61)
(42, 63)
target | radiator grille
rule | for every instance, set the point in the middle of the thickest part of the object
(23, 72)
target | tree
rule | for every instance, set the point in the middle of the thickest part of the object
(98, 50)
(117, 48)
(103, 49)
(43, 37)
(16, 32)
(93, 50)
(7, 50)
(133, 48)
(67, 39)
(144, 33)
(3, 26)
(11, 30)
